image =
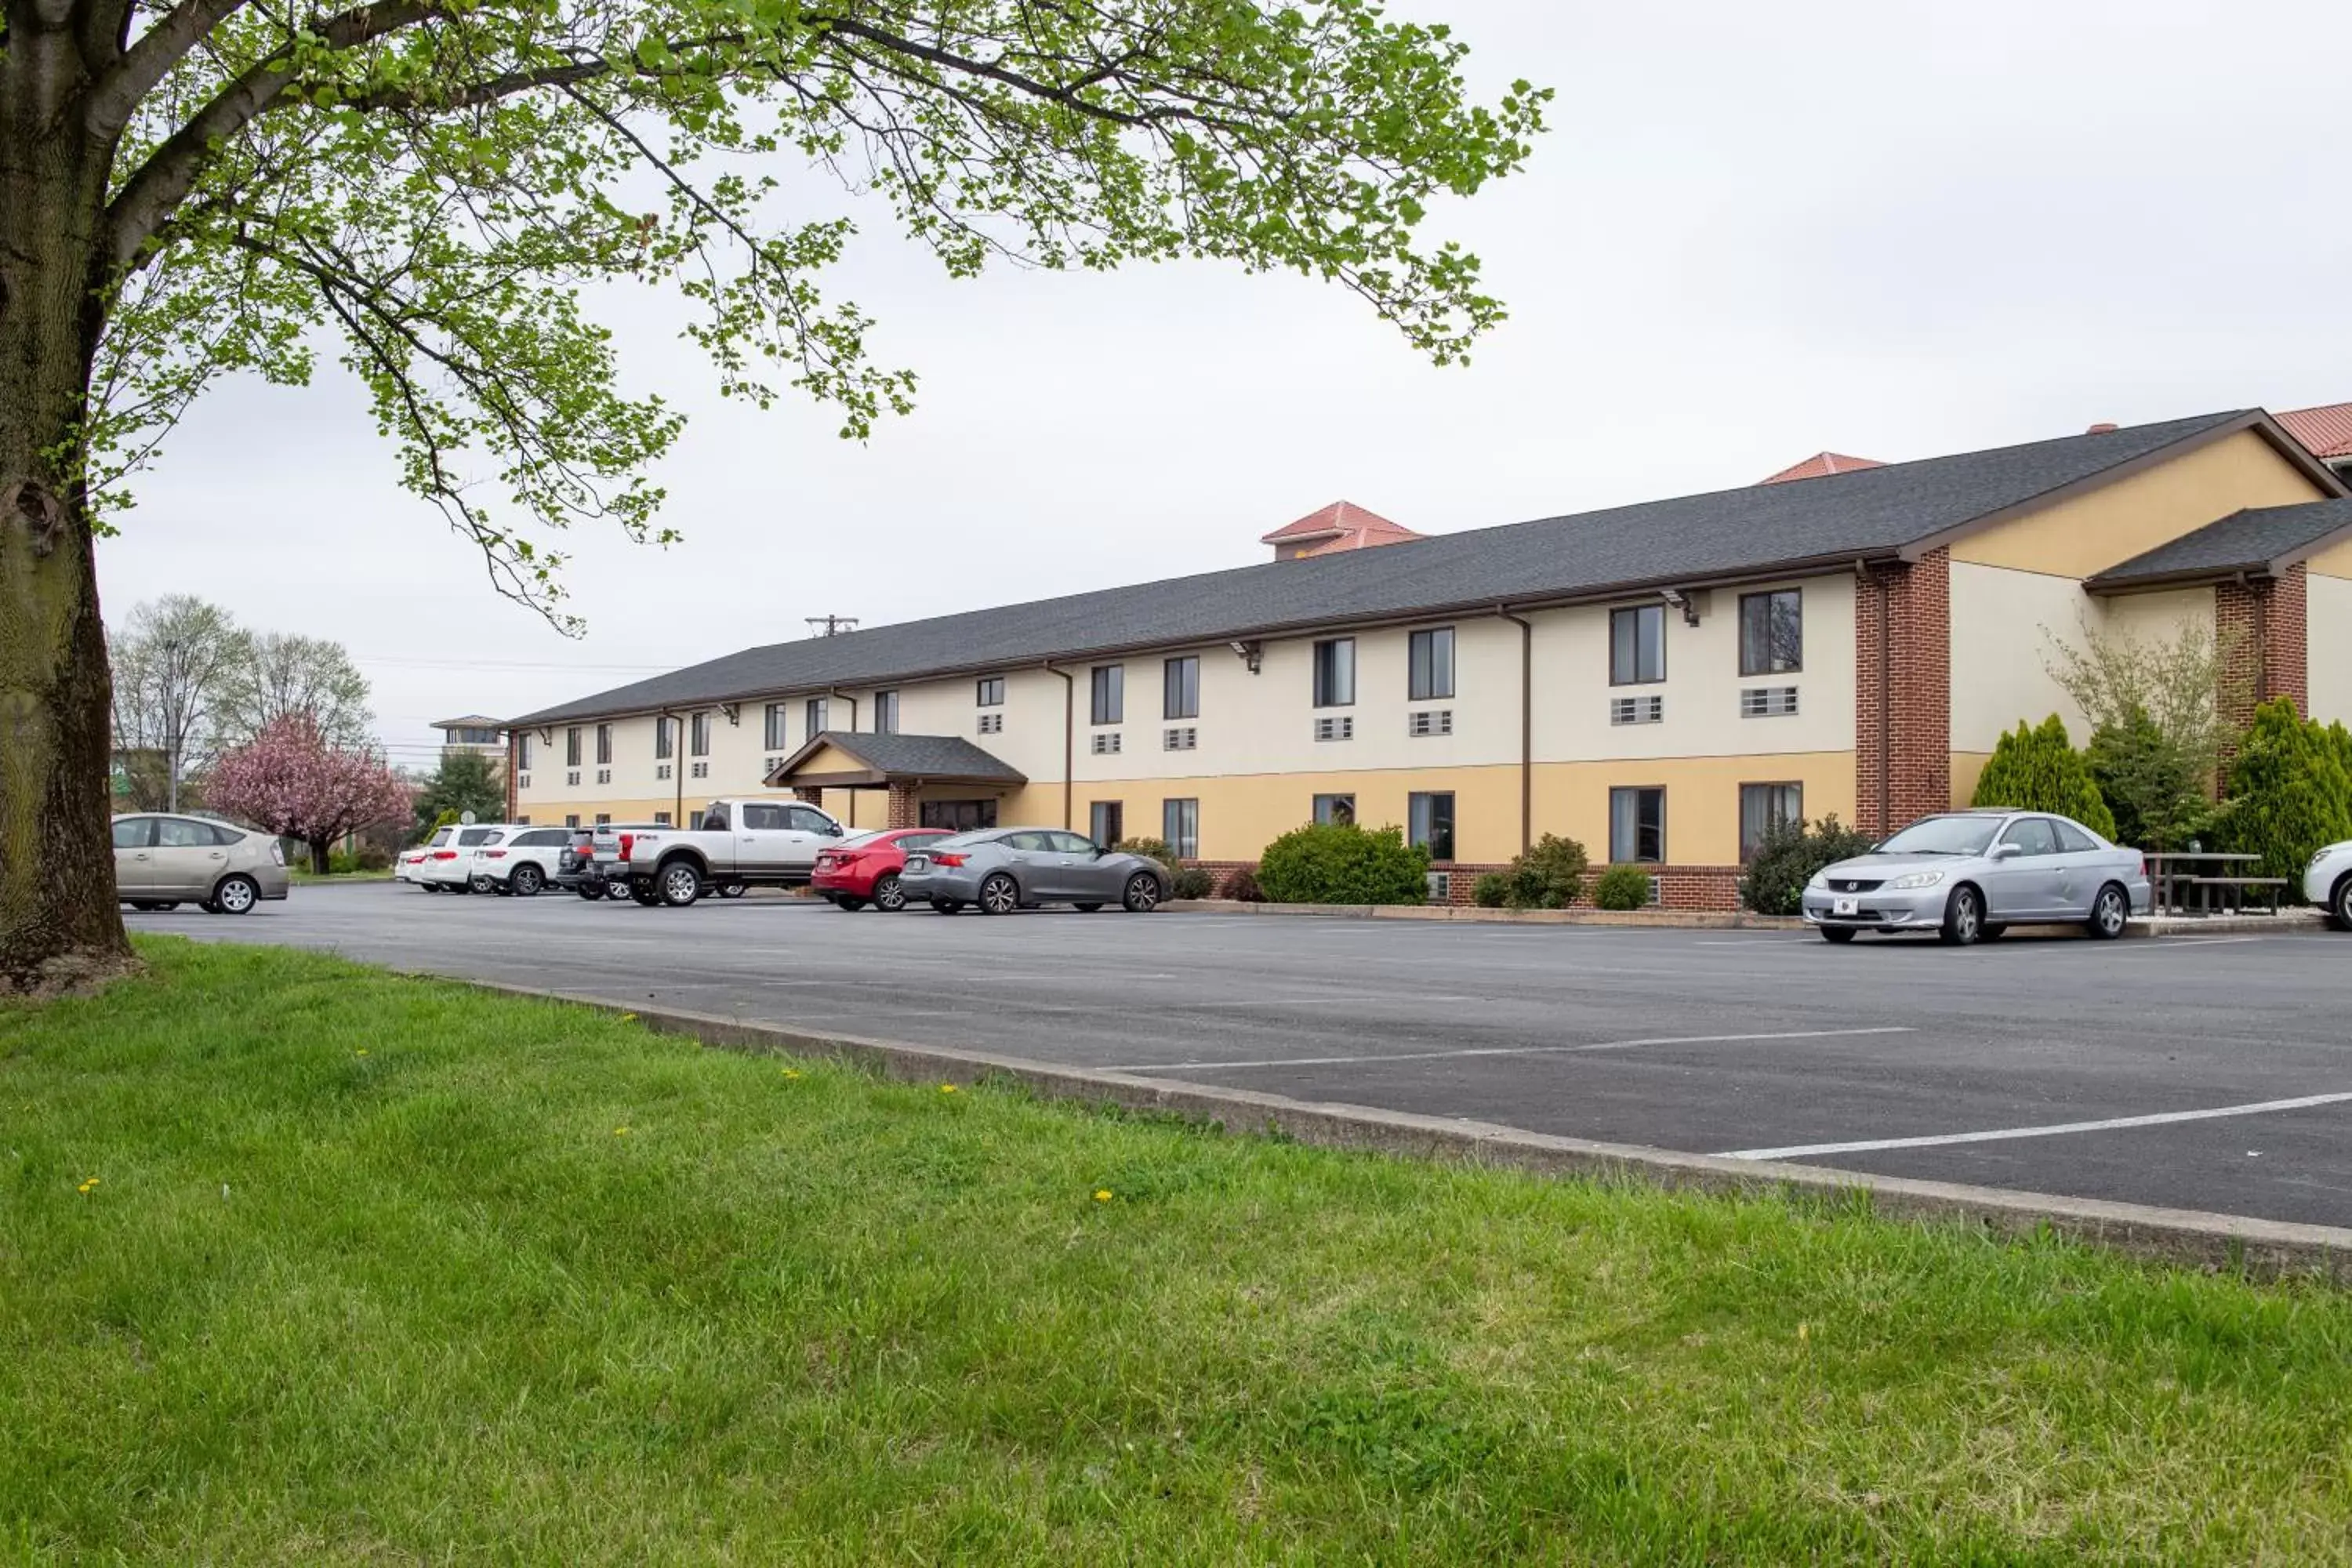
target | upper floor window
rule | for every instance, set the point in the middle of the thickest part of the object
(664, 739)
(1335, 673)
(1180, 682)
(992, 690)
(817, 717)
(523, 754)
(698, 738)
(1637, 644)
(1430, 661)
(886, 713)
(1771, 632)
(1109, 693)
(572, 747)
(472, 737)
(604, 745)
(772, 737)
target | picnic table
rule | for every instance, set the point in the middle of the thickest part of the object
(2208, 875)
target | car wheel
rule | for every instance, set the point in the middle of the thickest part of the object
(1964, 916)
(847, 904)
(642, 890)
(888, 896)
(2110, 912)
(237, 895)
(2343, 903)
(430, 887)
(620, 888)
(1087, 909)
(526, 882)
(681, 884)
(592, 891)
(999, 894)
(733, 890)
(1142, 893)
(483, 884)
(946, 905)
(1837, 933)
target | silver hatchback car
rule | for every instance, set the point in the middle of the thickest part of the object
(1000, 869)
(1971, 875)
(162, 861)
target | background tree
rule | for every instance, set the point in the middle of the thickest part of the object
(2159, 792)
(2290, 790)
(290, 780)
(283, 674)
(2160, 726)
(194, 187)
(2037, 769)
(464, 782)
(175, 661)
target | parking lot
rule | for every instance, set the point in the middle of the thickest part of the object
(2197, 1072)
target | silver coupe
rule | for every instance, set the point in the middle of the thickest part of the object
(1971, 875)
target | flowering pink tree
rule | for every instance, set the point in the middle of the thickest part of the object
(291, 781)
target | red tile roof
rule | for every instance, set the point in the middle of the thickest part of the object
(1343, 525)
(1820, 464)
(2327, 430)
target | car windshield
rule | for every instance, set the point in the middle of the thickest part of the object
(1944, 836)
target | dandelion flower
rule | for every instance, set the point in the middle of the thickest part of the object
(1102, 1195)
(361, 1052)
(792, 1072)
(947, 1088)
(1804, 1332)
(628, 1017)
(620, 1132)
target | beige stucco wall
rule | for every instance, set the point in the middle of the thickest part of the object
(2107, 526)
(2329, 618)
(2333, 561)
(2003, 625)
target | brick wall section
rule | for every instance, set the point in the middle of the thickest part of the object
(906, 808)
(1903, 733)
(2262, 625)
(815, 797)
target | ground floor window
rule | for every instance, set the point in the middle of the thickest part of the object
(1108, 823)
(1430, 822)
(1339, 808)
(571, 819)
(694, 820)
(958, 816)
(1637, 827)
(661, 819)
(1179, 823)
(1764, 806)
(522, 822)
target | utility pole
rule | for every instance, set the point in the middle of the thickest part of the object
(832, 625)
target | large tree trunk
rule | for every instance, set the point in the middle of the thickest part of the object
(59, 924)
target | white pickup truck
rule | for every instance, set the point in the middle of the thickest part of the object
(743, 842)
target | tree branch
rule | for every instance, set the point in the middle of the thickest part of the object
(116, 95)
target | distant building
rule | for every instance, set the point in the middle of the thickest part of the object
(1343, 525)
(476, 735)
(2327, 431)
(1821, 466)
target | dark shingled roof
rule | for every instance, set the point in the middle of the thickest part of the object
(1873, 513)
(916, 757)
(2262, 539)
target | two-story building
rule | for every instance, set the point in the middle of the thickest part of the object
(1659, 681)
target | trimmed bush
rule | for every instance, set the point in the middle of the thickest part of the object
(2290, 790)
(1548, 876)
(1159, 850)
(1340, 863)
(2037, 768)
(1621, 888)
(374, 857)
(1491, 891)
(2155, 788)
(1240, 884)
(1786, 859)
(1192, 882)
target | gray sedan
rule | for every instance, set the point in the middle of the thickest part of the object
(1971, 875)
(1002, 869)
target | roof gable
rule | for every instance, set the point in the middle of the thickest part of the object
(1821, 466)
(2261, 540)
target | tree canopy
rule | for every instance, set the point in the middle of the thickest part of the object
(2037, 768)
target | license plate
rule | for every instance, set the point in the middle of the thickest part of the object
(1846, 906)
(919, 862)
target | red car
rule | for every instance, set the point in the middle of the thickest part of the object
(864, 868)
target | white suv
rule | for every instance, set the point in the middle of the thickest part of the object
(521, 861)
(449, 862)
(2328, 882)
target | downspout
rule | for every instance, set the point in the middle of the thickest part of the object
(1526, 726)
(1069, 737)
(834, 693)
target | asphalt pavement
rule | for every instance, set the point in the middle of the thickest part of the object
(2204, 1072)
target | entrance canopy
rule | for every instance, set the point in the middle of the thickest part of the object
(836, 760)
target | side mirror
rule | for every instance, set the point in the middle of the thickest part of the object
(2007, 851)
(833, 830)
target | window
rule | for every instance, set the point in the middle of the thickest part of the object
(1111, 693)
(694, 820)
(1181, 738)
(662, 769)
(1335, 808)
(661, 819)
(1063, 843)
(1335, 673)
(179, 833)
(1430, 822)
(1764, 806)
(572, 748)
(604, 819)
(523, 754)
(1425, 722)
(816, 715)
(572, 779)
(1637, 710)
(992, 690)
(808, 819)
(772, 734)
(1768, 701)
(1637, 827)
(1107, 823)
(1180, 824)
(958, 816)
(1180, 680)
(603, 775)
(664, 739)
(134, 833)
(604, 745)
(1637, 644)
(2072, 840)
(1342, 728)
(702, 770)
(1771, 632)
(2032, 833)
(1430, 664)
(570, 819)
(698, 738)
(1104, 744)
(762, 816)
(886, 713)
(473, 737)
(991, 723)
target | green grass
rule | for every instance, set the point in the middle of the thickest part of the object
(304, 874)
(371, 1273)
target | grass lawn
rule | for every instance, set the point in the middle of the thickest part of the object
(303, 1263)
(304, 874)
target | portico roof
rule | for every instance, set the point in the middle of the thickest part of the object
(845, 760)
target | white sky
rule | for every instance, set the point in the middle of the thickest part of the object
(1891, 231)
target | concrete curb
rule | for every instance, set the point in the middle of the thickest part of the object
(1671, 919)
(2288, 921)
(2226, 1243)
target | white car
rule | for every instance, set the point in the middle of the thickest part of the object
(521, 861)
(449, 862)
(2328, 882)
(408, 866)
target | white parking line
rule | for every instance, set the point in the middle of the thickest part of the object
(1518, 1050)
(1801, 1151)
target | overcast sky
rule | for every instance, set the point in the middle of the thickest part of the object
(1751, 233)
